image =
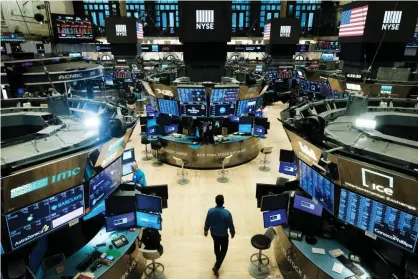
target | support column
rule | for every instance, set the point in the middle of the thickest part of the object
(122, 7)
(283, 8)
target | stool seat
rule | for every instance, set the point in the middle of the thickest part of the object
(265, 152)
(185, 162)
(145, 140)
(220, 160)
(260, 242)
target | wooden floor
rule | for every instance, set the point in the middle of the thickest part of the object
(187, 253)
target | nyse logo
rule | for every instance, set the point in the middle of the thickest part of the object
(204, 19)
(121, 30)
(71, 76)
(285, 31)
(307, 151)
(377, 181)
(392, 20)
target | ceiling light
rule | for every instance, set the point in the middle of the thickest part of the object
(92, 122)
(366, 124)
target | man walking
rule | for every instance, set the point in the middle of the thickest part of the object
(218, 221)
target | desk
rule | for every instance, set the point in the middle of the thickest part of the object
(119, 264)
(296, 260)
(244, 149)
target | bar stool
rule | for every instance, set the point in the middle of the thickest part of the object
(182, 174)
(156, 145)
(265, 151)
(154, 270)
(145, 141)
(223, 172)
(258, 261)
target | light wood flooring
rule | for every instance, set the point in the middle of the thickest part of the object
(187, 253)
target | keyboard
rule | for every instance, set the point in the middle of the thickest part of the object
(350, 265)
(88, 261)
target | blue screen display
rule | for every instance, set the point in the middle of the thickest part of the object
(307, 205)
(388, 223)
(287, 168)
(259, 131)
(104, 183)
(258, 114)
(234, 118)
(246, 106)
(38, 219)
(224, 95)
(148, 203)
(225, 109)
(259, 103)
(152, 114)
(274, 218)
(192, 95)
(170, 129)
(118, 222)
(148, 220)
(168, 107)
(317, 186)
(244, 128)
(151, 131)
(259, 68)
(152, 122)
(196, 110)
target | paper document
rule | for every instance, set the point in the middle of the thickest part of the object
(338, 268)
(318, 251)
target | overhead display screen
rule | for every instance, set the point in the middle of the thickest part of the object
(222, 109)
(390, 224)
(104, 183)
(191, 95)
(246, 106)
(224, 95)
(168, 107)
(122, 30)
(317, 186)
(38, 219)
(71, 28)
(197, 110)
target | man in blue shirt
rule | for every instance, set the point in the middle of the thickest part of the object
(138, 177)
(218, 221)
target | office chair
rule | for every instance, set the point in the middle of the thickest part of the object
(145, 141)
(154, 270)
(265, 151)
(156, 145)
(223, 172)
(181, 163)
(258, 261)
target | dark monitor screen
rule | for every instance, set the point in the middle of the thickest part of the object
(148, 220)
(224, 95)
(148, 203)
(274, 218)
(267, 189)
(219, 110)
(194, 110)
(192, 95)
(128, 158)
(259, 131)
(287, 156)
(118, 222)
(317, 186)
(151, 131)
(168, 107)
(151, 122)
(246, 120)
(246, 106)
(245, 128)
(105, 182)
(307, 205)
(390, 224)
(170, 129)
(159, 191)
(118, 204)
(38, 219)
(274, 202)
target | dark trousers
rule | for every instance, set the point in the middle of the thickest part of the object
(220, 244)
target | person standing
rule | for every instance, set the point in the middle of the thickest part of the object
(138, 177)
(218, 221)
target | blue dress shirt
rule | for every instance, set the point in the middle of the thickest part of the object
(218, 221)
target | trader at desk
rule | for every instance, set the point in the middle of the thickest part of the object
(138, 176)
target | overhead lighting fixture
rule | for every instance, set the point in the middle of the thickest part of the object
(92, 122)
(366, 123)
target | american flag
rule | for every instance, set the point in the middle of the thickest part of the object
(267, 32)
(139, 31)
(353, 22)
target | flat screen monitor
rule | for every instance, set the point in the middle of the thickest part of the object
(274, 218)
(128, 158)
(148, 220)
(386, 89)
(170, 129)
(352, 86)
(259, 131)
(246, 106)
(234, 118)
(108, 81)
(105, 182)
(259, 68)
(299, 74)
(327, 56)
(224, 95)
(192, 95)
(317, 186)
(287, 156)
(258, 114)
(307, 205)
(41, 218)
(153, 114)
(151, 131)
(244, 128)
(120, 202)
(119, 222)
(194, 110)
(163, 66)
(168, 107)
(157, 190)
(148, 203)
(274, 202)
(68, 28)
(219, 110)
(390, 224)
(152, 122)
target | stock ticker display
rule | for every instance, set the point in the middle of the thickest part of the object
(224, 95)
(70, 27)
(168, 107)
(317, 186)
(390, 224)
(38, 219)
(192, 95)
(246, 106)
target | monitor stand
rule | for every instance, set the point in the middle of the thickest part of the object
(311, 240)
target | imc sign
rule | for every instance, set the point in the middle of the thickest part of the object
(392, 188)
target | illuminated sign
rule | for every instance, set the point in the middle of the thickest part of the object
(384, 184)
(121, 30)
(164, 92)
(71, 76)
(354, 76)
(303, 149)
(205, 19)
(309, 152)
(285, 31)
(392, 20)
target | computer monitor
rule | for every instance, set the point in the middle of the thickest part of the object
(157, 190)
(153, 114)
(151, 131)
(307, 223)
(244, 128)
(258, 114)
(287, 156)
(170, 107)
(234, 118)
(274, 218)
(119, 222)
(259, 68)
(151, 122)
(128, 157)
(262, 189)
(192, 94)
(246, 120)
(148, 203)
(221, 94)
(170, 129)
(246, 106)
(307, 205)
(148, 220)
(194, 110)
(219, 110)
(274, 202)
(120, 202)
(259, 131)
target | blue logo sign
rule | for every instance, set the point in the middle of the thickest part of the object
(222, 110)
(287, 168)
